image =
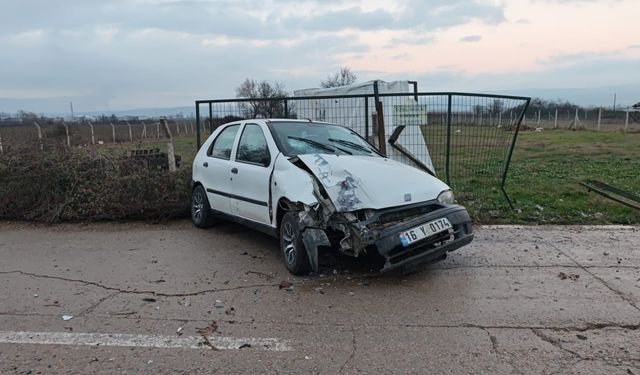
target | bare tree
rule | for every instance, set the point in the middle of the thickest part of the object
(343, 77)
(252, 89)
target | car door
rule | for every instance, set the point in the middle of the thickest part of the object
(251, 174)
(216, 177)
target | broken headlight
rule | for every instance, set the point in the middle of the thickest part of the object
(446, 197)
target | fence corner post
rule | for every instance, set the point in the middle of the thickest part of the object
(448, 147)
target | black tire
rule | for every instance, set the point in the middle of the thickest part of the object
(201, 215)
(293, 251)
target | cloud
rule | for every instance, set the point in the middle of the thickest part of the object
(471, 38)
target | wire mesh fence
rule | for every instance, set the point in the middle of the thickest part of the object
(465, 139)
(593, 119)
(43, 134)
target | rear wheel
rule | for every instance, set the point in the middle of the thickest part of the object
(201, 215)
(293, 251)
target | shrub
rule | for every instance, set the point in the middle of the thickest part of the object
(81, 186)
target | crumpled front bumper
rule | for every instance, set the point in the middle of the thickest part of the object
(429, 249)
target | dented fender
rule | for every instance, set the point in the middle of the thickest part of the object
(291, 183)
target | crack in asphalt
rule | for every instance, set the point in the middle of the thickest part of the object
(582, 328)
(555, 343)
(586, 269)
(353, 350)
(95, 305)
(127, 291)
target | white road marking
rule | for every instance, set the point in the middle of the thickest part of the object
(143, 341)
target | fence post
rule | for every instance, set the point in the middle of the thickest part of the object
(366, 118)
(130, 133)
(170, 151)
(113, 132)
(448, 149)
(538, 118)
(500, 120)
(210, 118)
(177, 128)
(39, 135)
(144, 130)
(626, 121)
(555, 123)
(158, 129)
(198, 128)
(1, 149)
(93, 137)
(382, 141)
(66, 130)
(599, 117)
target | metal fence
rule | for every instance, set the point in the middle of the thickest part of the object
(466, 139)
(593, 119)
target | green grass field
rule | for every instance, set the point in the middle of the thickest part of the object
(543, 179)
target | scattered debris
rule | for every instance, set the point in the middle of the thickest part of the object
(36, 295)
(67, 317)
(218, 304)
(208, 330)
(352, 294)
(230, 311)
(570, 276)
(539, 207)
(149, 299)
(179, 331)
(319, 290)
(581, 337)
(284, 284)
(159, 281)
(245, 345)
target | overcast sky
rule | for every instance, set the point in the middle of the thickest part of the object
(112, 54)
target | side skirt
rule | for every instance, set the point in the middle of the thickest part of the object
(264, 228)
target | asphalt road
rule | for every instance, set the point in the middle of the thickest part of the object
(170, 298)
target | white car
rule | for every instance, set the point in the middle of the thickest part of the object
(316, 185)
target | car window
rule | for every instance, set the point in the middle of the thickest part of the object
(253, 146)
(223, 144)
(299, 138)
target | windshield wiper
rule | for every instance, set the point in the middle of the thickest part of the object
(314, 143)
(351, 144)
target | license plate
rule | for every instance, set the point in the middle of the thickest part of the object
(423, 231)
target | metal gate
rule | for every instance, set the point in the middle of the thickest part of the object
(465, 139)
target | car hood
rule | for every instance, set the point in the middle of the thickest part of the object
(366, 182)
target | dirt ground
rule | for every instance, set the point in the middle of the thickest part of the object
(169, 298)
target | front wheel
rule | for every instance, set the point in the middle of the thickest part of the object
(201, 215)
(293, 251)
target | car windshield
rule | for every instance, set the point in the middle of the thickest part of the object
(299, 138)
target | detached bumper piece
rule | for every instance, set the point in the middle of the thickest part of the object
(429, 249)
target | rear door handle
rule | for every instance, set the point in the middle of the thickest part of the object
(205, 164)
(234, 170)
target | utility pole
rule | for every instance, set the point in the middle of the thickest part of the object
(614, 102)
(71, 107)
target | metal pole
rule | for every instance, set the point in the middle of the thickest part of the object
(448, 149)
(198, 136)
(366, 118)
(286, 109)
(599, 117)
(510, 155)
(538, 118)
(210, 118)
(1, 149)
(555, 124)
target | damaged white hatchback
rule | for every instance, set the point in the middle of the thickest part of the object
(316, 185)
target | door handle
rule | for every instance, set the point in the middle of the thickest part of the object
(205, 164)
(234, 170)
